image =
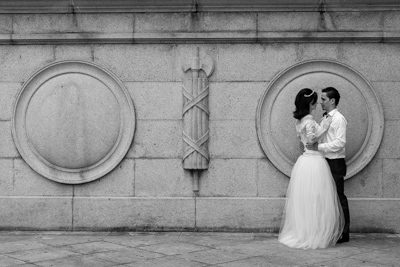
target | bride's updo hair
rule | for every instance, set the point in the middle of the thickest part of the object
(304, 98)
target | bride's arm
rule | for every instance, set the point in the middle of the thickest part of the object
(315, 131)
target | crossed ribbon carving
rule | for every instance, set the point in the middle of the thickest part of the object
(195, 145)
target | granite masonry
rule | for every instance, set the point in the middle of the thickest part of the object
(91, 110)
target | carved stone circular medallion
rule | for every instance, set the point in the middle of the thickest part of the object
(358, 103)
(73, 122)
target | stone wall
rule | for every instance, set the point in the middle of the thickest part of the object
(242, 190)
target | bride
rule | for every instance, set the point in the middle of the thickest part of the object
(313, 217)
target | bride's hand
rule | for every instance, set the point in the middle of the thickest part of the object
(326, 122)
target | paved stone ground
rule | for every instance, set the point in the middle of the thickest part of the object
(183, 249)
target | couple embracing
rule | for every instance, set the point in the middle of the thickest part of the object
(316, 213)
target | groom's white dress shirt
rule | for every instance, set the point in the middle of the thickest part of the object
(333, 142)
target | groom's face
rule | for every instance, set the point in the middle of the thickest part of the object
(326, 103)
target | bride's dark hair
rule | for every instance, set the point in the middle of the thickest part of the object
(304, 98)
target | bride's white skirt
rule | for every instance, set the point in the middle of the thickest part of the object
(313, 217)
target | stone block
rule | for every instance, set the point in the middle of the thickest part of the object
(104, 213)
(355, 21)
(235, 101)
(20, 62)
(391, 181)
(6, 176)
(253, 62)
(105, 23)
(375, 61)
(157, 101)
(119, 182)
(234, 139)
(240, 214)
(374, 215)
(230, 178)
(162, 178)
(36, 213)
(157, 139)
(270, 181)
(389, 94)
(391, 21)
(195, 22)
(6, 23)
(43, 23)
(390, 146)
(314, 21)
(73, 52)
(309, 51)
(224, 22)
(68, 23)
(27, 182)
(161, 22)
(367, 183)
(154, 63)
(288, 21)
(8, 93)
(8, 149)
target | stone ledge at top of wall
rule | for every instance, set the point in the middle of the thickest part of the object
(91, 6)
(195, 38)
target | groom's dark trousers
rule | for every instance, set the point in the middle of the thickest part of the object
(338, 169)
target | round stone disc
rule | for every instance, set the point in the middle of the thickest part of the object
(73, 121)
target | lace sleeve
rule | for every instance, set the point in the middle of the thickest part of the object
(311, 128)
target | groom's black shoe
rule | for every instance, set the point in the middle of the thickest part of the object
(343, 238)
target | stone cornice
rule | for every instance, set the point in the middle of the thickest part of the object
(194, 38)
(98, 6)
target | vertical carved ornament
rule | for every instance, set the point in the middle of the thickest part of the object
(195, 116)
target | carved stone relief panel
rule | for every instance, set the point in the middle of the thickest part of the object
(359, 104)
(195, 115)
(73, 122)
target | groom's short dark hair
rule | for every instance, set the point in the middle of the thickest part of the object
(331, 92)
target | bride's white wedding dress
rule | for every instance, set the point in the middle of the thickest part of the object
(313, 217)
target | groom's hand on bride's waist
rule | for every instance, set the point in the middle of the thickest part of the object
(312, 146)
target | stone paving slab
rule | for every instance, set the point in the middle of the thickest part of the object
(187, 249)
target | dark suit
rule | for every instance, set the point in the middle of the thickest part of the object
(338, 169)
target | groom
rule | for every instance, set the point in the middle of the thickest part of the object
(333, 146)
